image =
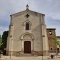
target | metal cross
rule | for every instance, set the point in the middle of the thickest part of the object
(27, 7)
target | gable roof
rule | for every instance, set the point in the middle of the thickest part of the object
(27, 10)
(51, 28)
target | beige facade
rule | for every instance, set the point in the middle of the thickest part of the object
(19, 38)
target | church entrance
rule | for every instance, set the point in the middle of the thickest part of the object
(27, 47)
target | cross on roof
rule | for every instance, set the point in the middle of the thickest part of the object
(27, 7)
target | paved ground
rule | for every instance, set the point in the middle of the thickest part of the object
(29, 58)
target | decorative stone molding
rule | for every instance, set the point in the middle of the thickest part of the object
(27, 11)
(10, 36)
(43, 35)
(27, 21)
(18, 14)
(21, 38)
(11, 24)
(27, 15)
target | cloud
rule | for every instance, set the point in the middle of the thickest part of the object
(53, 23)
(2, 29)
(48, 7)
(51, 9)
(9, 7)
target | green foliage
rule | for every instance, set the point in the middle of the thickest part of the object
(0, 41)
(56, 42)
(4, 39)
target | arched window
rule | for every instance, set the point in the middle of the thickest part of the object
(27, 26)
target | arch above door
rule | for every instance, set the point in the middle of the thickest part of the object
(27, 33)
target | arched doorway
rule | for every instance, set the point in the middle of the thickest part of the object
(27, 47)
(27, 40)
(27, 43)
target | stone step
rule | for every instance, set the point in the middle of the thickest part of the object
(22, 58)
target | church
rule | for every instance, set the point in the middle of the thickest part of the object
(28, 34)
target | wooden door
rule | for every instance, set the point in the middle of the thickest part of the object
(27, 47)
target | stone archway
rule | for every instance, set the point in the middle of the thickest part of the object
(27, 43)
(27, 33)
(27, 40)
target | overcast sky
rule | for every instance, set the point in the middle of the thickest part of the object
(51, 9)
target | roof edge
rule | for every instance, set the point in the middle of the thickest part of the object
(27, 10)
(51, 28)
(58, 36)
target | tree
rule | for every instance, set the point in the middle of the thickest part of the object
(0, 41)
(56, 42)
(4, 39)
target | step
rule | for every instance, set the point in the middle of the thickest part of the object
(22, 58)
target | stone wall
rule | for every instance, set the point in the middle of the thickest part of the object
(17, 32)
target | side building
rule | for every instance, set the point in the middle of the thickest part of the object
(51, 39)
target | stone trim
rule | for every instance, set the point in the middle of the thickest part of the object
(21, 38)
(27, 21)
(33, 53)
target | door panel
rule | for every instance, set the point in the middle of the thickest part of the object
(27, 47)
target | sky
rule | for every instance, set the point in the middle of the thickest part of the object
(51, 9)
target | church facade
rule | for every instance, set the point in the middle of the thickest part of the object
(27, 34)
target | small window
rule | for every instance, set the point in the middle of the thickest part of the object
(51, 48)
(27, 26)
(58, 50)
(50, 33)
